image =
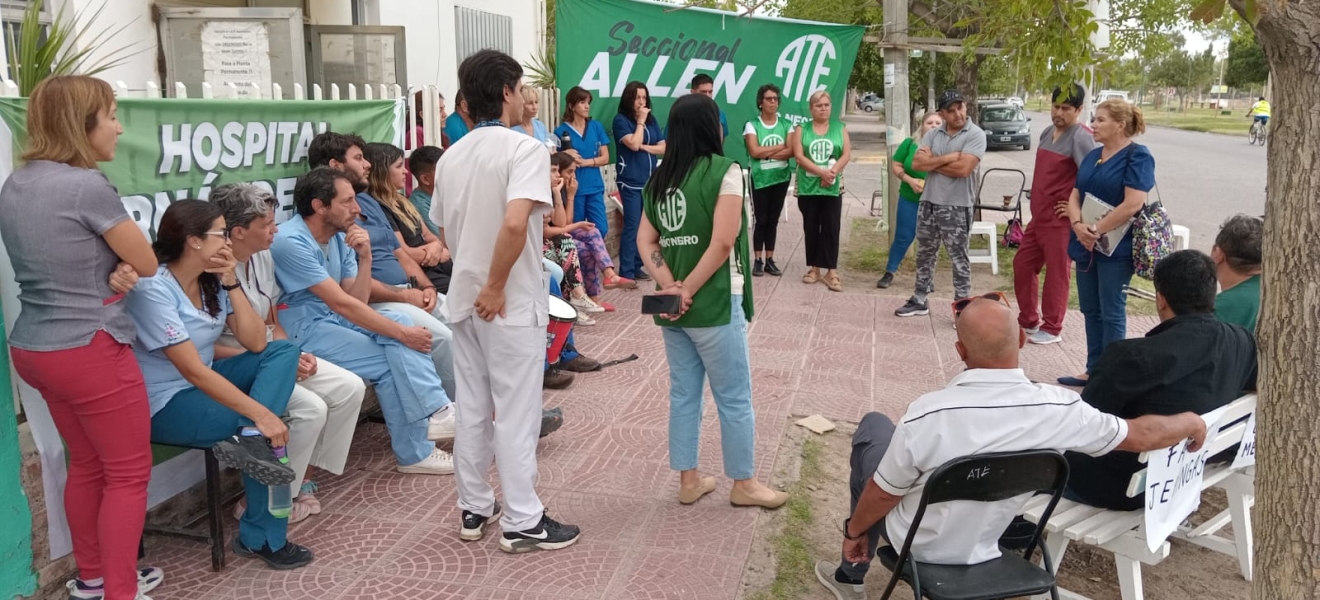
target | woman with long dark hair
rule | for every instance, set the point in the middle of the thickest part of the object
(590, 149)
(66, 231)
(640, 144)
(822, 149)
(232, 403)
(766, 137)
(384, 180)
(694, 234)
(598, 272)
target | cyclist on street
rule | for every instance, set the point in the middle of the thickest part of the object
(1261, 111)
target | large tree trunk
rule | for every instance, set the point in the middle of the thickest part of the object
(1288, 473)
(966, 75)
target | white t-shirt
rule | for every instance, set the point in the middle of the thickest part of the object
(981, 411)
(732, 185)
(475, 181)
(257, 276)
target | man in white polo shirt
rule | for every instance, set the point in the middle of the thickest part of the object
(990, 407)
(492, 188)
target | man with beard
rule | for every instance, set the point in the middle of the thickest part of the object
(1062, 148)
(317, 255)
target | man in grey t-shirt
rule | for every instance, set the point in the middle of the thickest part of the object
(950, 156)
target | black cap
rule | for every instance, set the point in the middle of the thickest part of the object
(949, 98)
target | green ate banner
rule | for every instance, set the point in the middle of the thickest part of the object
(604, 44)
(174, 149)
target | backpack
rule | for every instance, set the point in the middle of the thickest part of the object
(1152, 238)
(1013, 233)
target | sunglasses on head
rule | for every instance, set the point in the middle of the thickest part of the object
(961, 305)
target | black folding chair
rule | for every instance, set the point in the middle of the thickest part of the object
(983, 478)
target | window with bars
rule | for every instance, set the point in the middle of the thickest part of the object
(11, 24)
(479, 30)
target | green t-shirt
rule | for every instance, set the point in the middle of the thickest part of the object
(1240, 304)
(820, 149)
(770, 171)
(905, 153)
(685, 219)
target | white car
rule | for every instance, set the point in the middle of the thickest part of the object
(1015, 101)
(1107, 95)
(873, 104)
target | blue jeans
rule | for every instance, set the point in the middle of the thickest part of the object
(191, 418)
(630, 261)
(905, 230)
(569, 352)
(719, 353)
(591, 207)
(1100, 281)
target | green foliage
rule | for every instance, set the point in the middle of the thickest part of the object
(541, 70)
(1247, 66)
(1184, 71)
(65, 49)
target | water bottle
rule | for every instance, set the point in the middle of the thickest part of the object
(565, 142)
(279, 500)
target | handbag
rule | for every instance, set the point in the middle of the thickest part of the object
(1013, 233)
(1152, 237)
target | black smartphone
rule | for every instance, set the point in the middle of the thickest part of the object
(662, 304)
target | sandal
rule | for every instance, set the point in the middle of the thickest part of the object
(620, 283)
(832, 281)
(812, 276)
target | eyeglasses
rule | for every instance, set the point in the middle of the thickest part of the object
(961, 305)
(770, 99)
(224, 234)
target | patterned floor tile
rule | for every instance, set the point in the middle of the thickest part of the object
(584, 568)
(613, 520)
(394, 496)
(711, 526)
(433, 552)
(615, 476)
(655, 574)
(308, 583)
(649, 444)
(397, 588)
(353, 543)
(187, 567)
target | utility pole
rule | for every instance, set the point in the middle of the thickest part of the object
(898, 105)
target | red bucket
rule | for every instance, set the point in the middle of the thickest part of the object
(562, 318)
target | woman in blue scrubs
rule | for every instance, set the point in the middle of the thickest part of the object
(590, 149)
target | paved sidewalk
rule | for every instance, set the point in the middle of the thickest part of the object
(384, 535)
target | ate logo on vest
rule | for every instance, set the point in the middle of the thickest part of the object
(673, 211)
(803, 65)
(821, 150)
(773, 139)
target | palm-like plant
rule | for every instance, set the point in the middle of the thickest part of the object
(37, 51)
(541, 71)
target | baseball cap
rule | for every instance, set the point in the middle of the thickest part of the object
(949, 98)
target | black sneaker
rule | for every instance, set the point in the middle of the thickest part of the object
(547, 535)
(772, 269)
(551, 420)
(885, 281)
(253, 455)
(912, 309)
(758, 268)
(291, 556)
(641, 276)
(554, 379)
(474, 525)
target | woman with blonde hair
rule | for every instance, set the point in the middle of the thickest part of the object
(909, 194)
(822, 149)
(384, 181)
(1119, 173)
(531, 125)
(75, 253)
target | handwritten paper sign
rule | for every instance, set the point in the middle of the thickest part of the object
(237, 52)
(1173, 484)
(1246, 455)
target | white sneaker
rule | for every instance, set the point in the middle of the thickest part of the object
(583, 319)
(1032, 330)
(585, 303)
(1044, 337)
(441, 429)
(438, 463)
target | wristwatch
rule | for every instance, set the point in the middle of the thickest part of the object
(845, 531)
(230, 288)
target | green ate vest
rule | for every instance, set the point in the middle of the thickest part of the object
(685, 220)
(768, 172)
(820, 149)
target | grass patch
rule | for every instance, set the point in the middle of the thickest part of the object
(794, 565)
(868, 251)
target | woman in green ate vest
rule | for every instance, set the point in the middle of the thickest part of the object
(693, 236)
(766, 137)
(822, 149)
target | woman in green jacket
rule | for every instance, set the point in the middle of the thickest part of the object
(694, 237)
(909, 194)
(822, 150)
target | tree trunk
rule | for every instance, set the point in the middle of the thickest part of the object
(966, 75)
(1287, 531)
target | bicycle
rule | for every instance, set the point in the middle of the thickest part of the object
(1257, 134)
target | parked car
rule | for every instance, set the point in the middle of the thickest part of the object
(1106, 95)
(1015, 101)
(864, 98)
(873, 104)
(1005, 126)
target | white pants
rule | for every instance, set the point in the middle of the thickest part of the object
(322, 414)
(442, 338)
(500, 370)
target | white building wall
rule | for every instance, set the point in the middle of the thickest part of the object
(432, 47)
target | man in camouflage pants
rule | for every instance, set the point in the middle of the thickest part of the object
(950, 156)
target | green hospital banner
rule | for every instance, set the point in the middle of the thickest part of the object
(604, 44)
(175, 149)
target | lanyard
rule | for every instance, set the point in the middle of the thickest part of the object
(489, 123)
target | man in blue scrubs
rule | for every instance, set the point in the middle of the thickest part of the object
(704, 85)
(317, 256)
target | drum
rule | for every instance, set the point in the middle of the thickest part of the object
(562, 318)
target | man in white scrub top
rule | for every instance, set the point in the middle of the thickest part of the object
(492, 188)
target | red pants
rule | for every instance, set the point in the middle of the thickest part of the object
(99, 403)
(1042, 247)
